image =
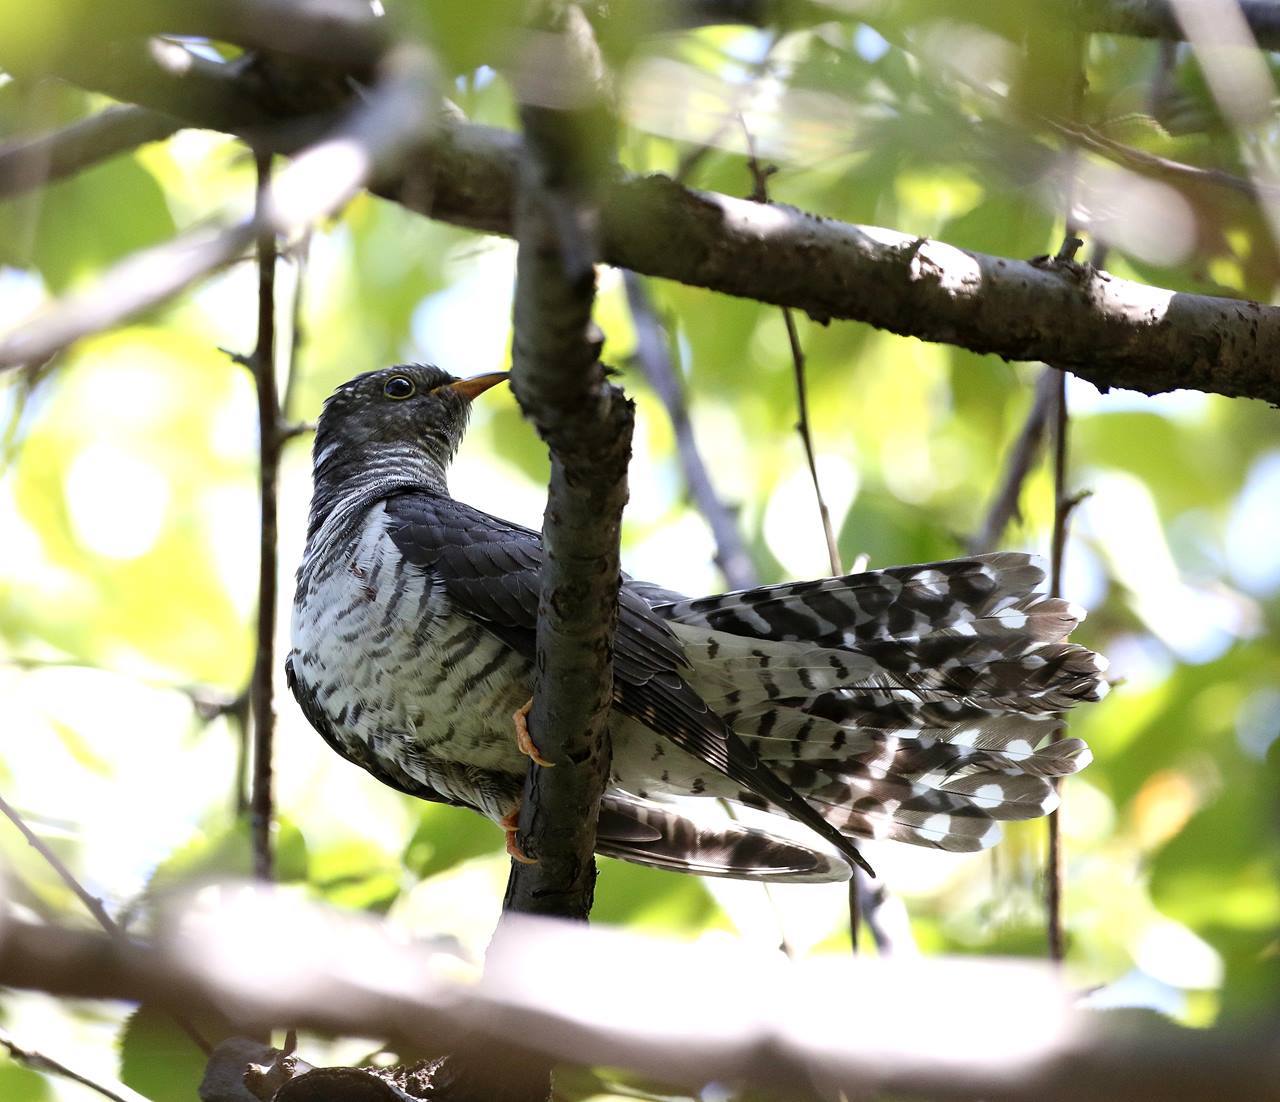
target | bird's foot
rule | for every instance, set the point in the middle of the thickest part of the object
(510, 822)
(524, 740)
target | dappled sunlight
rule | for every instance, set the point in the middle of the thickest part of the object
(1143, 217)
(1198, 622)
(924, 149)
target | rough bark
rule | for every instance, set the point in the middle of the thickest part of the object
(587, 424)
(1111, 331)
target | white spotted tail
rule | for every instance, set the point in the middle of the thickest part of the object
(917, 703)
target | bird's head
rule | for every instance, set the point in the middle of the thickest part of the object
(405, 420)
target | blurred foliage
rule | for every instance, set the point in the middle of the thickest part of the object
(128, 507)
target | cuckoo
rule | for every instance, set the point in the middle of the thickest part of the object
(920, 704)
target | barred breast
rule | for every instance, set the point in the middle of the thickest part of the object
(396, 671)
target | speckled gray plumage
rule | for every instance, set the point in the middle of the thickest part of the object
(915, 704)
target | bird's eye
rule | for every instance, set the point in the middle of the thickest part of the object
(399, 387)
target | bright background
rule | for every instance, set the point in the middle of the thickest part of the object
(128, 519)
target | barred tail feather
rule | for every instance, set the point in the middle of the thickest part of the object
(662, 836)
(919, 704)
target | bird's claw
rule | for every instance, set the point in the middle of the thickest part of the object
(524, 740)
(510, 822)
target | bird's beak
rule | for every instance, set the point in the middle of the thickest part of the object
(478, 384)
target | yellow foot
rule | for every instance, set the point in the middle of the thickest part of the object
(523, 739)
(510, 822)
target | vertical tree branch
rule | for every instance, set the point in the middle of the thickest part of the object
(858, 888)
(261, 703)
(587, 425)
(1061, 507)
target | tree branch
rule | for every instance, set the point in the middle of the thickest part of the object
(261, 702)
(1022, 457)
(268, 961)
(587, 424)
(654, 357)
(374, 134)
(38, 1061)
(1113, 332)
(33, 162)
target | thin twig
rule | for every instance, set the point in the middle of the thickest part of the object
(1021, 458)
(806, 436)
(33, 162)
(760, 193)
(1076, 80)
(297, 337)
(92, 904)
(261, 702)
(694, 156)
(1053, 869)
(368, 142)
(208, 703)
(38, 1061)
(654, 355)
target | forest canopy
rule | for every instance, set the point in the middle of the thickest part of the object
(907, 179)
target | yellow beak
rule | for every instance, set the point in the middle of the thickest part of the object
(478, 384)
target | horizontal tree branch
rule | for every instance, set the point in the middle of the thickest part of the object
(1111, 331)
(1158, 19)
(683, 1014)
(333, 32)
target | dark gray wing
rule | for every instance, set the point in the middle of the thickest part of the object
(490, 570)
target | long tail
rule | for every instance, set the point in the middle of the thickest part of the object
(917, 703)
(681, 838)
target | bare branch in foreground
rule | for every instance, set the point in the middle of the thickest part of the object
(654, 357)
(373, 136)
(38, 1061)
(92, 904)
(33, 162)
(688, 1013)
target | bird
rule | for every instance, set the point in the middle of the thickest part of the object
(918, 704)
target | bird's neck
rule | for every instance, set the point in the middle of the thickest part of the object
(346, 476)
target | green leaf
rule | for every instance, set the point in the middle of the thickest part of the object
(226, 852)
(83, 224)
(447, 836)
(19, 1084)
(357, 875)
(159, 1059)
